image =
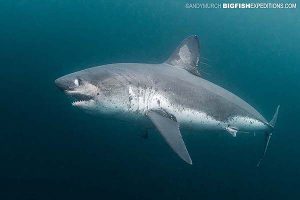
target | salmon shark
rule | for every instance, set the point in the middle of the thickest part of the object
(167, 96)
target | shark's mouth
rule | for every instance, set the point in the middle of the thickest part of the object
(79, 98)
(81, 102)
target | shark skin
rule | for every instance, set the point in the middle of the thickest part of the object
(169, 96)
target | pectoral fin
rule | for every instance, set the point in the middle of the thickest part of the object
(169, 129)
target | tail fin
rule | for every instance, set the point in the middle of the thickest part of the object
(268, 135)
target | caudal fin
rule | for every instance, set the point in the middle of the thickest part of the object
(268, 135)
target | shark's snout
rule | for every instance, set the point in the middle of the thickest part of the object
(64, 84)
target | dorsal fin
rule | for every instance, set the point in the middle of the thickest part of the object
(186, 55)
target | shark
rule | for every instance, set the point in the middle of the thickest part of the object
(169, 97)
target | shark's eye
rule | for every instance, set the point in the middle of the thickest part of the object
(76, 82)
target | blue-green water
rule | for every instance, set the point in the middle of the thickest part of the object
(50, 150)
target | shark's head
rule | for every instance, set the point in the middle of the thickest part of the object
(96, 90)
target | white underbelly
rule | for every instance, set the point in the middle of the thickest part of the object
(200, 120)
(145, 100)
(197, 120)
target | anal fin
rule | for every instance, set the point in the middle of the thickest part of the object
(232, 130)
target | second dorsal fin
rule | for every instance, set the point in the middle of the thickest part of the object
(186, 55)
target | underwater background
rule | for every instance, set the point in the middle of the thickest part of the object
(51, 150)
